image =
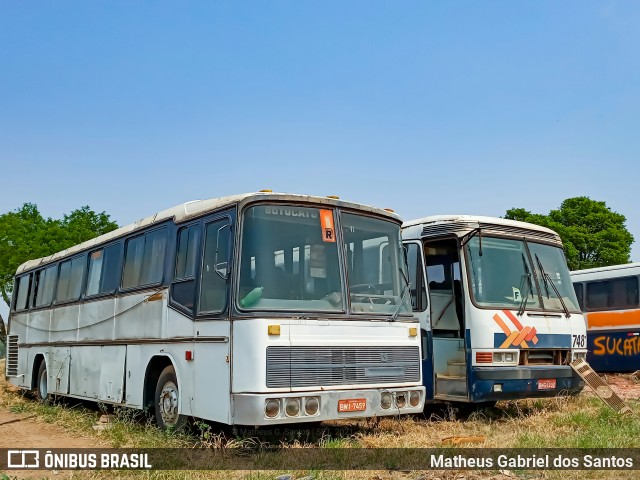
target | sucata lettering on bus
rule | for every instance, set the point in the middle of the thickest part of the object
(291, 212)
(625, 347)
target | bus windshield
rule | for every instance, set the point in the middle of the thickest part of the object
(290, 260)
(376, 268)
(503, 277)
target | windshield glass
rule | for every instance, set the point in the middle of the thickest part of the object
(289, 259)
(375, 265)
(500, 277)
(555, 267)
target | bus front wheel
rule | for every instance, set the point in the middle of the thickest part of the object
(167, 401)
(42, 390)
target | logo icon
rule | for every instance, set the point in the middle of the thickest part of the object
(518, 337)
(23, 458)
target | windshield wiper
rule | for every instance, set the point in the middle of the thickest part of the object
(466, 238)
(548, 281)
(525, 299)
(407, 288)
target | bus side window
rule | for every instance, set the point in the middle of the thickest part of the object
(70, 280)
(578, 287)
(104, 270)
(144, 259)
(21, 293)
(45, 281)
(215, 269)
(183, 290)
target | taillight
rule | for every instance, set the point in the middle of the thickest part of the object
(484, 357)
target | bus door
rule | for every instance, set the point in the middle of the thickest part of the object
(442, 261)
(420, 305)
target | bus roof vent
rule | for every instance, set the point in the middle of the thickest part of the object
(520, 232)
(438, 229)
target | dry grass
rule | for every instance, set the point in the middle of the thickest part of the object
(564, 422)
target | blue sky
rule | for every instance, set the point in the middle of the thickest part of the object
(424, 107)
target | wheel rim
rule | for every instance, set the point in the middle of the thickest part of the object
(42, 386)
(168, 403)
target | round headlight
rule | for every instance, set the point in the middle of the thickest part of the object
(401, 400)
(311, 405)
(292, 407)
(386, 400)
(414, 399)
(272, 407)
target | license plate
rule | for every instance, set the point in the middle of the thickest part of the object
(546, 384)
(352, 405)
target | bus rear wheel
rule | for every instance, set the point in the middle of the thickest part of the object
(167, 401)
(42, 390)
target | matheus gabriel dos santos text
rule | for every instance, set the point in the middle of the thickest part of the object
(530, 462)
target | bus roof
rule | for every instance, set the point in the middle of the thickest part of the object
(464, 223)
(602, 272)
(190, 210)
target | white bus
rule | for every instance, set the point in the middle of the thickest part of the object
(499, 316)
(609, 297)
(254, 309)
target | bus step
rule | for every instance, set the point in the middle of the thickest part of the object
(599, 386)
(456, 368)
(454, 385)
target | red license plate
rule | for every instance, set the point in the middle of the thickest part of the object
(352, 405)
(546, 384)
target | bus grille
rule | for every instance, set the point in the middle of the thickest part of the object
(323, 366)
(12, 355)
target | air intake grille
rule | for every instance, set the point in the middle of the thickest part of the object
(324, 366)
(12, 355)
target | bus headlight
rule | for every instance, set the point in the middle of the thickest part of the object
(292, 407)
(414, 398)
(272, 407)
(401, 399)
(386, 400)
(311, 405)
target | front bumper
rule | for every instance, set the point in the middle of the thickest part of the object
(510, 383)
(249, 408)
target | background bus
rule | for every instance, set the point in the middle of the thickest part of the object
(498, 314)
(609, 298)
(252, 309)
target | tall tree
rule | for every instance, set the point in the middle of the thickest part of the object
(593, 235)
(25, 234)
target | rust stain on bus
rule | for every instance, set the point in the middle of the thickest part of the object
(155, 297)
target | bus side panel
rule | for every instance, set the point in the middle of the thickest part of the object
(33, 327)
(96, 320)
(112, 373)
(141, 315)
(58, 362)
(134, 376)
(64, 324)
(614, 351)
(85, 371)
(212, 381)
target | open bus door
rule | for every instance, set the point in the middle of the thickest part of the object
(444, 277)
(420, 305)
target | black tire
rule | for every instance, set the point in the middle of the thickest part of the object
(166, 401)
(42, 383)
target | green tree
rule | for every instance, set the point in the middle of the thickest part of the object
(25, 235)
(593, 235)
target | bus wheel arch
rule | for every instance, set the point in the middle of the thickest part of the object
(40, 381)
(161, 392)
